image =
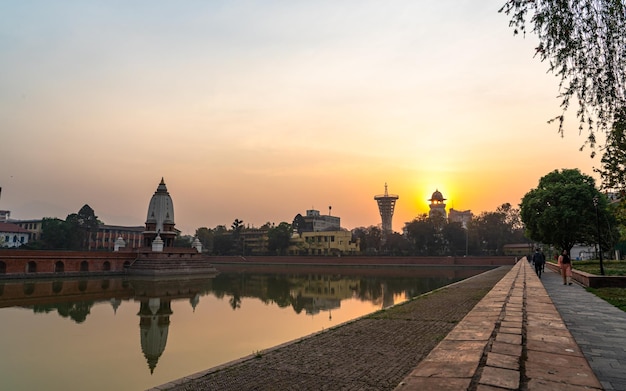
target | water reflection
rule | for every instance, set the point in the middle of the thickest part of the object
(300, 291)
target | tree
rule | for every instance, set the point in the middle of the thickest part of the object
(613, 171)
(222, 241)
(88, 223)
(183, 241)
(561, 212)
(278, 238)
(423, 235)
(205, 236)
(584, 42)
(370, 239)
(455, 238)
(55, 234)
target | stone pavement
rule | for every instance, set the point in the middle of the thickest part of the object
(598, 327)
(514, 339)
(511, 338)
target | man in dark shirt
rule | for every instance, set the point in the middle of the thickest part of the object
(538, 259)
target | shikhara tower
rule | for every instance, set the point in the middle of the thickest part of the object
(386, 204)
(160, 220)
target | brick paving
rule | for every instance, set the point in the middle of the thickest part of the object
(371, 353)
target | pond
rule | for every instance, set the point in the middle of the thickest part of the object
(131, 334)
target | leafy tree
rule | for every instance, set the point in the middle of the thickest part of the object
(584, 42)
(88, 223)
(396, 244)
(74, 234)
(561, 212)
(423, 235)
(205, 236)
(222, 241)
(183, 241)
(455, 238)
(278, 238)
(370, 239)
(613, 171)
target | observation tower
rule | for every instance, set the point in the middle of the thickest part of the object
(386, 203)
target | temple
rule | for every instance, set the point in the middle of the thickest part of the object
(160, 220)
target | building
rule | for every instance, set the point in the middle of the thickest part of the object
(315, 222)
(254, 241)
(12, 235)
(323, 243)
(108, 234)
(386, 204)
(5, 216)
(32, 226)
(460, 216)
(437, 205)
(160, 220)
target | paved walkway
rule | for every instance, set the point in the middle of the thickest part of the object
(514, 339)
(525, 334)
(598, 327)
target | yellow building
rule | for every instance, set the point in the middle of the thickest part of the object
(323, 243)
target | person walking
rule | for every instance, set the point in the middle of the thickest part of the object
(565, 263)
(538, 260)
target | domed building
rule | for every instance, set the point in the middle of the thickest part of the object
(437, 205)
(160, 220)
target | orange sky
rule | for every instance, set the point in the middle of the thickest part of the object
(259, 111)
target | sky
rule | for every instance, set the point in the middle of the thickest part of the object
(260, 110)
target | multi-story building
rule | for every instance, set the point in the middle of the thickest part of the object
(12, 235)
(32, 226)
(107, 235)
(323, 243)
(460, 216)
(254, 241)
(315, 222)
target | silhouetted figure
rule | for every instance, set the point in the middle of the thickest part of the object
(539, 260)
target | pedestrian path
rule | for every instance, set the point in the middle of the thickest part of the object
(598, 327)
(514, 339)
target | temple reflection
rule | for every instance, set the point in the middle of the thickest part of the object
(310, 292)
(154, 325)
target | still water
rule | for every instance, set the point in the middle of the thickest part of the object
(132, 334)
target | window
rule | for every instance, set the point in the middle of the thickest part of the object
(59, 267)
(84, 266)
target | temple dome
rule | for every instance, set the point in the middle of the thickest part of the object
(437, 196)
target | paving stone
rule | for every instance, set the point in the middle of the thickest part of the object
(503, 361)
(500, 377)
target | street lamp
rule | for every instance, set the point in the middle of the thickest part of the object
(595, 204)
